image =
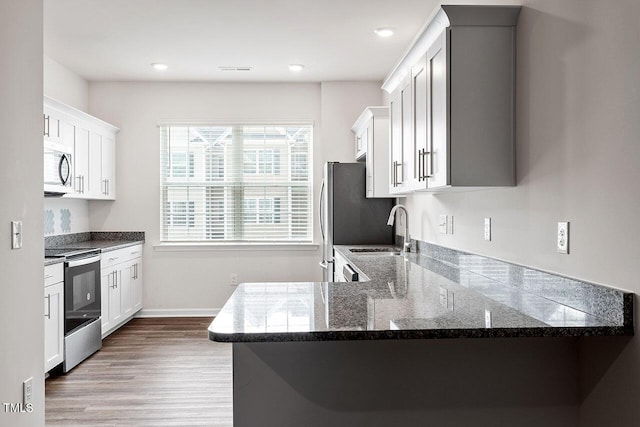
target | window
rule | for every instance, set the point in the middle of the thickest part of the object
(237, 183)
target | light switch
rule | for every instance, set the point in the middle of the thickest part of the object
(16, 234)
(487, 229)
(442, 224)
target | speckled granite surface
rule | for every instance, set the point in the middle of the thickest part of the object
(447, 294)
(105, 241)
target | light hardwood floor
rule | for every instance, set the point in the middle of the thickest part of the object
(151, 372)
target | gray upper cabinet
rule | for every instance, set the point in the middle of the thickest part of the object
(459, 132)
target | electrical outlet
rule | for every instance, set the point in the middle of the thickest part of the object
(234, 279)
(487, 229)
(16, 234)
(27, 391)
(450, 224)
(442, 224)
(563, 237)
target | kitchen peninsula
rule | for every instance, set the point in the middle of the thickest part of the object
(370, 352)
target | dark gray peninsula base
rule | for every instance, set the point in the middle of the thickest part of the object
(382, 352)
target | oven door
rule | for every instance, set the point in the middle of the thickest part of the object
(81, 292)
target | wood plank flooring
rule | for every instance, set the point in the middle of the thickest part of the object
(151, 372)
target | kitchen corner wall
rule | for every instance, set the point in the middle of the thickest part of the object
(21, 286)
(578, 157)
(199, 281)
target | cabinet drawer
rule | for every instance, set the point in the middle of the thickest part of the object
(53, 274)
(120, 255)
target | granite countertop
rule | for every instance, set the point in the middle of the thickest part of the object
(419, 296)
(105, 241)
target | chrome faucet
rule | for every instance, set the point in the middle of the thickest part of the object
(392, 216)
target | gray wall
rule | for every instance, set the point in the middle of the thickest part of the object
(578, 160)
(21, 286)
(443, 383)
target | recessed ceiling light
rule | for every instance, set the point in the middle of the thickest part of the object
(159, 66)
(296, 67)
(384, 31)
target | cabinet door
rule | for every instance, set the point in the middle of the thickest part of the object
(51, 126)
(67, 129)
(438, 125)
(115, 298)
(108, 166)
(81, 162)
(401, 155)
(96, 189)
(136, 285)
(53, 325)
(127, 271)
(420, 92)
(362, 142)
(106, 278)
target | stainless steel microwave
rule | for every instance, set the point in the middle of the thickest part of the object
(57, 169)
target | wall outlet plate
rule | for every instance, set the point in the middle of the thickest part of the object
(27, 391)
(487, 229)
(16, 234)
(563, 237)
(442, 224)
(450, 224)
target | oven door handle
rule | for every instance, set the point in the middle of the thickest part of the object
(83, 261)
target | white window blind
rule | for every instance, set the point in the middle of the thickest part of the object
(236, 183)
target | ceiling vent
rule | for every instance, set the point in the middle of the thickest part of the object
(235, 68)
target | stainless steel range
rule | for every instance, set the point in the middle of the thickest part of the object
(82, 305)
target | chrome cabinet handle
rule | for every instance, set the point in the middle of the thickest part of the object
(48, 314)
(48, 276)
(393, 173)
(46, 125)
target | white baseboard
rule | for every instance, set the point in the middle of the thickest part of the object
(178, 312)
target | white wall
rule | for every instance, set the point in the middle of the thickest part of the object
(64, 85)
(21, 287)
(578, 157)
(342, 104)
(200, 279)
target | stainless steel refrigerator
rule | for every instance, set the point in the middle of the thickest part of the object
(347, 217)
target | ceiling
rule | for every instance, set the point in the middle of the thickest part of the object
(118, 40)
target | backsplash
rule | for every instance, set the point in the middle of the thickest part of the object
(602, 301)
(65, 216)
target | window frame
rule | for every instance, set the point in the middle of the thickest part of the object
(273, 155)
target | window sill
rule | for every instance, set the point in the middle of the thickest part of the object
(206, 247)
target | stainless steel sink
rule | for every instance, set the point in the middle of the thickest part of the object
(376, 251)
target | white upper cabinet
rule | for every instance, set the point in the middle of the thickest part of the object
(452, 102)
(92, 144)
(400, 112)
(371, 132)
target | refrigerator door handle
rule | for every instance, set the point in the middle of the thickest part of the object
(321, 204)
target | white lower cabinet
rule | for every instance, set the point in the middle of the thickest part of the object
(53, 316)
(121, 276)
